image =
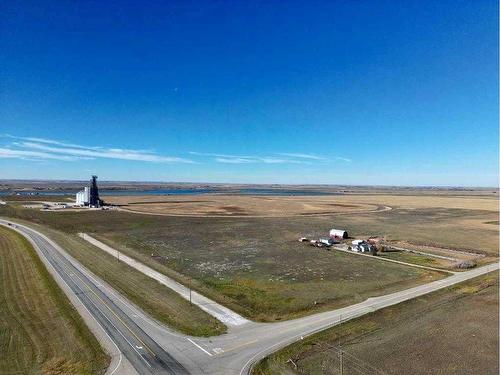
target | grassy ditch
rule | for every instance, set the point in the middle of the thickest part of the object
(154, 298)
(429, 335)
(40, 331)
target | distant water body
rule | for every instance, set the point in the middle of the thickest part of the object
(283, 192)
(248, 191)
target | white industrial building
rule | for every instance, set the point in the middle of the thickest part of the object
(83, 197)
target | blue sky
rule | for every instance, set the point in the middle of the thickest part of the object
(335, 92)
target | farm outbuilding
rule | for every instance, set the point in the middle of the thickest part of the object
(338, 233)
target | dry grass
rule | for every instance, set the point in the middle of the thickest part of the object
(235, 205)
(40, 331)
(452, 331)
(156, 299)
(489, 203)
(436, 227)
(279, 206)
(462, 222)
(255, 266)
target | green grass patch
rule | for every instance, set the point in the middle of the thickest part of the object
(40, 331)
(413, 258)
(154, 298)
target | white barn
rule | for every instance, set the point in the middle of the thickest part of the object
(338, 233)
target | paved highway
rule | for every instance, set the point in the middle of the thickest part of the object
(152, 348)
(146, 356)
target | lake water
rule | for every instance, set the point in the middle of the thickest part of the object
(121, 192)
(247, 191)
(283, 192)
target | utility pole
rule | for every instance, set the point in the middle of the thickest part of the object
(341, 352)
(341, 362)
(190, 300)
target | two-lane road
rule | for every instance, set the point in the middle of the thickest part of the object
(152, 348)
(145, 355)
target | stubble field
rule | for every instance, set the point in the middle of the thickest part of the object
(212, 205)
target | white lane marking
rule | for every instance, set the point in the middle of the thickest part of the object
(199, 347)
(90, 300)
(110, 322)
(89, 274)
(93, 317)
(40, 252)
(218, 350)
(109, 290)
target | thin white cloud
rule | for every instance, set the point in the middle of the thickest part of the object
(106, 153)
(301, 156)
(313, 157)
(270, 160)
(30, 155)
(52, 149)
(233, 160)
(220, 155)
(244, 159)
(50, 142)
(343, 159)
(42, 148)
(287, 158)
(72, 145)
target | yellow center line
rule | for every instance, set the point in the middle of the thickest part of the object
(240, 346)
(117, 317)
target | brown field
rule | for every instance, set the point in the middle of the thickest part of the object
(237, 205)
(279, 206)
(452, 331)
(458, 222)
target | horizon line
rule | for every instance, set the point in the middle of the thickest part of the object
(256, 183)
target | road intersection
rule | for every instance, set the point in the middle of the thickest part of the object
(140, 344)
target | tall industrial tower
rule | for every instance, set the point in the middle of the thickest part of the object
(94, 200)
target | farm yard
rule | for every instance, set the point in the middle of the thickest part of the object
(450, 221)
(256, 266)
(264, 281)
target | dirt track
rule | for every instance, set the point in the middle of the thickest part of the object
(242, 206)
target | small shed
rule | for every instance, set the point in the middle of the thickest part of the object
(338, 233)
